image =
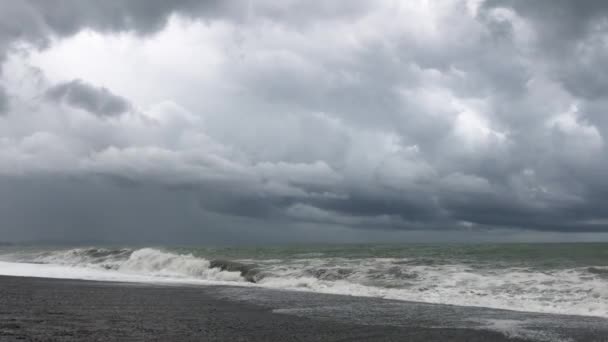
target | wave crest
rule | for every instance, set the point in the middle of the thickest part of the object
(145, 261)
(580, 290)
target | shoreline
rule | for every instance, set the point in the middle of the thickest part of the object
(70, 310)
(95, 276)
(51, 309)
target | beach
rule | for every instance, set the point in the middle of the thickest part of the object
(306, 293)
(64, 310)
(41, 309)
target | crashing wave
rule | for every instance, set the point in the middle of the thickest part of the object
(581, 291)
(251, 273)
(145, 261)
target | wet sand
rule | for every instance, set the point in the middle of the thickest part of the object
(40, 309)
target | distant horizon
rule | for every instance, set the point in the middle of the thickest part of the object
(110, 243)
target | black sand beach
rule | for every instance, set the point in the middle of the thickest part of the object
(38, 309)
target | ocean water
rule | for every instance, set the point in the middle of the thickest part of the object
(567, 279)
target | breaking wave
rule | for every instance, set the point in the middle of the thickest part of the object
(578, 290)
(145, 261)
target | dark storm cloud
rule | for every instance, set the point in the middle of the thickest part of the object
(561, 19)
(97, 100)
(571, 35)
(3, 101)
(367, 114)
(37, 20)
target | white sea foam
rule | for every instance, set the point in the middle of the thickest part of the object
(157, 263)
(517, 329)
(565, 292)
(146, 264)
(574, 291)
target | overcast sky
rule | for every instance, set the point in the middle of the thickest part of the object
(234, 121)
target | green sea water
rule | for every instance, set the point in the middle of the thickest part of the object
(564, 278)
(551, 255)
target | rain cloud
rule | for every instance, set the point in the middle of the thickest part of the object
(302, 120)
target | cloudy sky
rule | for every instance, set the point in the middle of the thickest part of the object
(234, 121)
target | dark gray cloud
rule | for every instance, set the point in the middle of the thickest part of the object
(96, 100)
(3, 101)
(571, 36)
(37, 20)
(375, 115)
(561, 19)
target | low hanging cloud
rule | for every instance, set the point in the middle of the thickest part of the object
(96, 100)
(380, 116)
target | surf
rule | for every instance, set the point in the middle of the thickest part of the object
(578, 290)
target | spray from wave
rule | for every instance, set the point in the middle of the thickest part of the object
(578, 290)
(145, 261)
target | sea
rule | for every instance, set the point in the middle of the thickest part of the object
(560, 278)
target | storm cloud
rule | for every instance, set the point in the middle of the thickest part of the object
(3, 101)
(303, 120)
(96, 100)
